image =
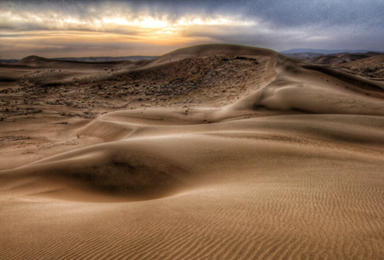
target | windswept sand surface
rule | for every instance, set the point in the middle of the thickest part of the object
(218, 152)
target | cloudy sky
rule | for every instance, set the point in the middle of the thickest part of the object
(148, 27)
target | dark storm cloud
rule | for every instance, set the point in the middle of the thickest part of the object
(328, 13)
(280, 13)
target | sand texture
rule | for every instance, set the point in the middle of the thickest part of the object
(207, 152)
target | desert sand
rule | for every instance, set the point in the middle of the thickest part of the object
(207, 152)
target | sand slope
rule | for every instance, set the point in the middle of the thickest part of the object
(340, 58)
(372, 67)
(291, 169)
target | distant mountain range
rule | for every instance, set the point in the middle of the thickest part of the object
(91, 59)
(321, 51)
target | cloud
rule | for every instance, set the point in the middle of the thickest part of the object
(170, 24)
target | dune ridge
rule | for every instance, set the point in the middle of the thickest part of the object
(289, 166)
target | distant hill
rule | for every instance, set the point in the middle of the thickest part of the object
(303, 55)
(322, 51)
(90, 59)
(372, 67)
(102, 59)
(368, 64)
(339, 58)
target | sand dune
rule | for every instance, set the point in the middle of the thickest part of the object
(340, 58)
(239, 153)
(372, 67)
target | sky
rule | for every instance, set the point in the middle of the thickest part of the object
(147, 27)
